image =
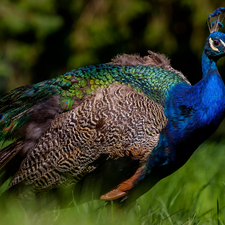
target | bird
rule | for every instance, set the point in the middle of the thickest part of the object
(109, 131)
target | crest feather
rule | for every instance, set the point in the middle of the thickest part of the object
(215, 19)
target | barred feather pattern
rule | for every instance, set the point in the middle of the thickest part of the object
(114, 121)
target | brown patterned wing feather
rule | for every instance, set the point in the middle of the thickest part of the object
(114, 122)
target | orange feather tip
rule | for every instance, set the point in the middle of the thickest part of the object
(113, 195)
(7, 129)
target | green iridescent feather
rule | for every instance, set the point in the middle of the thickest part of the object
(154, 82)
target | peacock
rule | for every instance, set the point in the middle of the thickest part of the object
(109, 131)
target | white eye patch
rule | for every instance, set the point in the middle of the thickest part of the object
(212, 46)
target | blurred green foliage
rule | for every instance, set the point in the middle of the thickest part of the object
(193, 195)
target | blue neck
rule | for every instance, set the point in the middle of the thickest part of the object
(207, 64)
(194, 112)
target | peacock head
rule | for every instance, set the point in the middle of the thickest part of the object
(215, 44)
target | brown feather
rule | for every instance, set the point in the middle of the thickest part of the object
(153, 59)
(115, 121)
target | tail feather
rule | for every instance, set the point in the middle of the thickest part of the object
(11, 158)
(7, 153)
(26, 113)
(17, 106)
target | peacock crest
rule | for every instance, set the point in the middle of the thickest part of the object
(215, 19)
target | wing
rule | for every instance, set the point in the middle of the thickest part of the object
(27, 112)
(111, 124)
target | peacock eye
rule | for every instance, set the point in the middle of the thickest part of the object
(216, 43)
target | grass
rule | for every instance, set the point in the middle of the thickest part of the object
(195, 194)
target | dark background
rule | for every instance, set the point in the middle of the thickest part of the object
(45, 38)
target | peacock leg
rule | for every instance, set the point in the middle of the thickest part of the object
(125, 186)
